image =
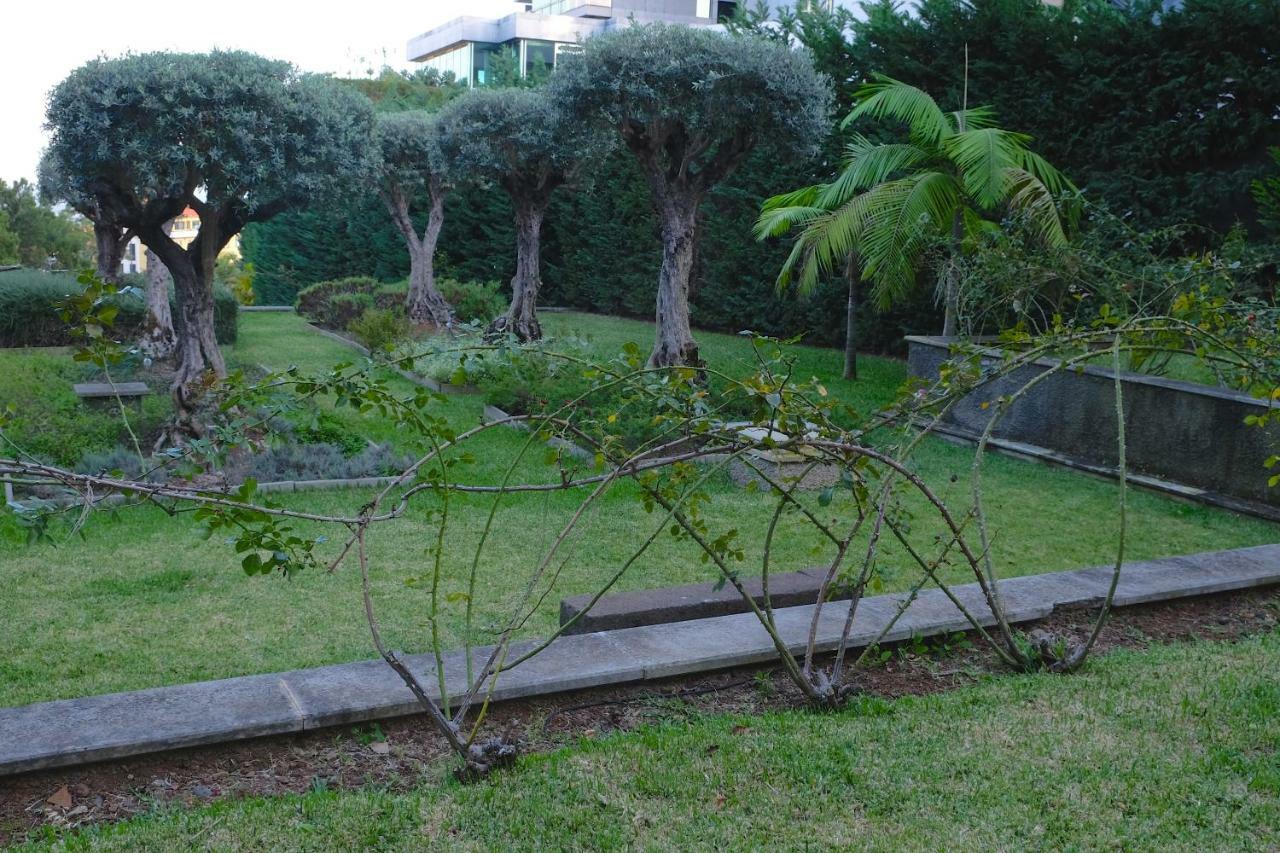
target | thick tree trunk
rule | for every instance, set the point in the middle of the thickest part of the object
(200, 361)
(159, 341)
(851, 318)
(424, 303)
(109, 244)
(674, 344)
(521, 318)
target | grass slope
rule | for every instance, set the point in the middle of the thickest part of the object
(1172, 747)
(143, 601)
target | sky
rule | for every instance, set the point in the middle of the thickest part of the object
(43, 43)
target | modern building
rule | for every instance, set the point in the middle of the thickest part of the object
(541, 31)
(184, 229)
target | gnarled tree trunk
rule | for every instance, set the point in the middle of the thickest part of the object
(159, 341)
(200, 361)
(674, 344)
(424, 303)
(521, 318)
(109, 242)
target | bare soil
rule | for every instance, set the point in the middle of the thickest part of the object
(402, 753)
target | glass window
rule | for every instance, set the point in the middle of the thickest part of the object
(538, 56)
(704, 9)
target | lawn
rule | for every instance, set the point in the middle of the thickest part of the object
(1167, 748)
(143, 600)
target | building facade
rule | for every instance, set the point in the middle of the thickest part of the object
(182, 231)
(539, 32)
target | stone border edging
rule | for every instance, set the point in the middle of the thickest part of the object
(424, 381)
(95, 728)
(280, 308)
(493, 413)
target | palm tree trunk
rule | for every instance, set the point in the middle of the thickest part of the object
(851, 318)
(951, 296)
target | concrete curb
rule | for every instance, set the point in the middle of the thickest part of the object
(96, 728)
(280, 308)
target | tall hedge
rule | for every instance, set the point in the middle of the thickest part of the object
(29, 314)
(1164, 115)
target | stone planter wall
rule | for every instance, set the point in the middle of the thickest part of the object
(1182, 432)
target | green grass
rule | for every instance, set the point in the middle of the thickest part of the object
(142, 600)
(1169, 748)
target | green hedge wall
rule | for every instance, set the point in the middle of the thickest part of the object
(29, 318)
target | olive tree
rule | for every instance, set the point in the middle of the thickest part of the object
(410, 171)
(110, 237)
(237, 137)
(691, 104)
(521, 140)
(157, 339)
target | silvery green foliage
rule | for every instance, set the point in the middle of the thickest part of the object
(692, 96)
(521, 139)
(408, 151)
(144, 132)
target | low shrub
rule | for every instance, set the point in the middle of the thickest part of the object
(473, 300)
(29, 317)
(314, 462)
(336, 304)
(346, 308)
(282, 462)
(380, 329)
(322, 427)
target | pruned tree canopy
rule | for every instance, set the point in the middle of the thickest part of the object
(691, 104)
(524, 141)
(235, 136)
(412, 171)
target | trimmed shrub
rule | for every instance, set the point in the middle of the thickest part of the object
(29, 316)
(380, 329)
(314, 302)
(337, 303)
(473, 300)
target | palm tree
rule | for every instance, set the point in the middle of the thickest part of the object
(892, 201)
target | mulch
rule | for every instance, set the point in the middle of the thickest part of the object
(403, 753)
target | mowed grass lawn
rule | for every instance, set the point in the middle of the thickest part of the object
(1169, 748)
(143, 600)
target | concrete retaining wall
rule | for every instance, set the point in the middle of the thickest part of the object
(1182, 432)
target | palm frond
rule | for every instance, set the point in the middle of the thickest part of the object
(889, 98)
(982, 156)
(903, 216)
(1055, 181)
(777, 221)
(802, 197)
(974, 118)
(1030, 197)
(867, 165)
(826, 242)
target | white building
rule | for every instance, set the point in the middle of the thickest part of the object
(540, 31)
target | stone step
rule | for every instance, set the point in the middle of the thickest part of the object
(94, 728)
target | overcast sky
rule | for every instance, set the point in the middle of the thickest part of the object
(44, 41)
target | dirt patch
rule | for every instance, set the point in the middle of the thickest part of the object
(402, 753)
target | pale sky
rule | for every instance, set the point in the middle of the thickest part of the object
(44, 41)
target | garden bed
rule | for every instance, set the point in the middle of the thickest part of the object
(405, 754)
